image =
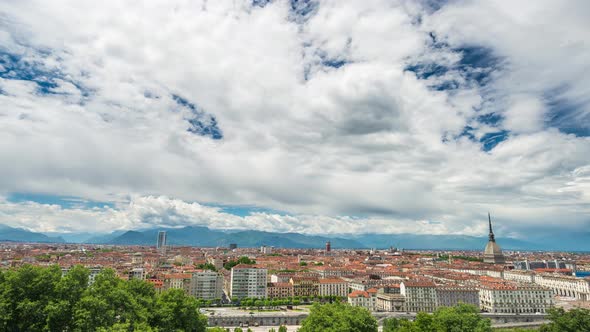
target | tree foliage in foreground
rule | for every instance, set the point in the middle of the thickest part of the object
(338, 317)
(567, 321)
(40, 299)
(462, 317)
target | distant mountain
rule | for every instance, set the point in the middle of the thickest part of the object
(22, 235)
(101, 238)
(203, 236)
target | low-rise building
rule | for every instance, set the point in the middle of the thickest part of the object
(178, 281)
(305, 286)
(514, 299)
(365, 299)
(520, 276)
(333, 286)
(390, 302)
(448, 296)
(279, 290)
(565, 285)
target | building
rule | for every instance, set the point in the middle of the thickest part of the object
(492, 253)
(390, 302)
(137, 273)
(161, 244)
(365, 299)
(420, 295)
(207, 285)
(565, 286)
(178, 281)
(305, 285)
(514, 299)
(328, 247)
(247, 281)
(333, 287)
(137, 258)
(448, 296)
(266, 250)
(544, 264)
(519, 276)
(233, 246)
(279, 290)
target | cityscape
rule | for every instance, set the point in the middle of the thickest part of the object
(295, 166)
(271, 287)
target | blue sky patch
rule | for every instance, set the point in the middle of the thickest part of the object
(21, 67)
(200, 123)
(66, 202)
(490, 119)
(567, 115)
(490, 140)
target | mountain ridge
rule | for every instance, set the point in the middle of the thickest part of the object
(203, 236)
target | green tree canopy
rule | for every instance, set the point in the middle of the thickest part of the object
(567, 321)
(338, 317)
(40, 299)
(241, 260)
(462, 317)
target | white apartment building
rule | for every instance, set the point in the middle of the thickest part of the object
(513, 299)
(448, 296)
(207, 285)
(248, 281)
(520, 276)
(565, 285)
(333, 286)
(420, 295)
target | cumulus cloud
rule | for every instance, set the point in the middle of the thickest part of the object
(350, 116)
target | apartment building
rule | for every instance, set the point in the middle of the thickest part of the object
(248, 281)
(514, 299)
(333, 286)
(420, 295)
(207, 285)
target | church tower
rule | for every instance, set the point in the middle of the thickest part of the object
(492, 253)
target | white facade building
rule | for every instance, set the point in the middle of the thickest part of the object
(248, 281)
(515, 299)
(207, 285)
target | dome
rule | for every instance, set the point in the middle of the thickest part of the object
(492, 248)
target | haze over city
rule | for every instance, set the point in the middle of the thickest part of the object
(333, 118)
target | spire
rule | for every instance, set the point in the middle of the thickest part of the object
(491, 235)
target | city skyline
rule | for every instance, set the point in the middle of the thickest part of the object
(313, 117)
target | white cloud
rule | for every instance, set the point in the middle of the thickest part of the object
(364, 139)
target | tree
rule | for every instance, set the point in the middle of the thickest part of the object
(216, 329)
(207, 266)
(338, 317)
(282, 328)
(567, 321)
(40, 299)
(176, 311)
(241, 260)
(461, 317)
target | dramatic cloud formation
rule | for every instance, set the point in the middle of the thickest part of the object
(347, 116)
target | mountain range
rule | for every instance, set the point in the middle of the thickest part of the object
(205, 237)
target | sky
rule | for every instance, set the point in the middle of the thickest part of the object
(318, 117)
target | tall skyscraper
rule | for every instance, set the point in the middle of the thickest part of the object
(161, 245)
(328, 247)
(492, 254)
